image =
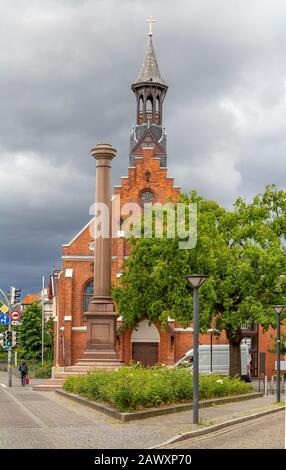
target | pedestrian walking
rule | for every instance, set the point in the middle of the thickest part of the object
(24, 373)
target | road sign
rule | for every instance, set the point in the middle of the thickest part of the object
(15, 315)
(16, 323)
(4, 308)
(4, 319)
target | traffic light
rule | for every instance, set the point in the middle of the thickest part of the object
(8, 339)
(15, 295)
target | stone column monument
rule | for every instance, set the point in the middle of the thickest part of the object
(101, 315)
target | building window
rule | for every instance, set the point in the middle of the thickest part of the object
(87, 295)
(149, 104)
(147, 196)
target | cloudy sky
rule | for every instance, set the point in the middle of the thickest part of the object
(66, 67)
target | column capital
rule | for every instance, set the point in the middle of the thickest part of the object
(103, 152)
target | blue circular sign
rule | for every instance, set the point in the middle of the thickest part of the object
(4, 319)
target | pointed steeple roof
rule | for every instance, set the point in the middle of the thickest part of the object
(150, 70)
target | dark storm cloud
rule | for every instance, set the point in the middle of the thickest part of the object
(66, 67)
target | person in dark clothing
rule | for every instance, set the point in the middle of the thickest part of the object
(24, 372)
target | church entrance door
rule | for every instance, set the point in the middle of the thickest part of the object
(146, 353)
(145, 340)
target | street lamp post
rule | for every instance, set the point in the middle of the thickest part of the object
(195, 282)
(211, 351)
(55, 276)
(278, 309)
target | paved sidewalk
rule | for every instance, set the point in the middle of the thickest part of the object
(45, 420)
(266, 432)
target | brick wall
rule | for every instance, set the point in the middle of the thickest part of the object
(266, 342)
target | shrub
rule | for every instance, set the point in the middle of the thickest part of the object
(133, 388)
(43, 370)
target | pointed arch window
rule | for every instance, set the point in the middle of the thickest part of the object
(87, 295)
(141, 104)
(147, 196)
(149, 104)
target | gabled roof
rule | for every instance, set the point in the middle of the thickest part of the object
(31, 298)
(79, 233)
(150, 70)
(159, 148)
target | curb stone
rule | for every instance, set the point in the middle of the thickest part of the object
(152, 412)
(216, 427)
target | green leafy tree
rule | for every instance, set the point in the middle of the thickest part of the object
(30, 344)
(247, 276)
(243, 253)
(49, 340)
(272, 349)
(31, 332)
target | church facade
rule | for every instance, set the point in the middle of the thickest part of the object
(147, 181)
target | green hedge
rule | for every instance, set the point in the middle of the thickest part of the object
(133, 388)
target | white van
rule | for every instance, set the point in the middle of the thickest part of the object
(220, 360)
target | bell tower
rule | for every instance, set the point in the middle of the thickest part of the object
(150, 90)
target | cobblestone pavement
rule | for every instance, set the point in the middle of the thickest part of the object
(45, 420)
(262, 433)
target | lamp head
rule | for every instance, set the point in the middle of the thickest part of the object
(278, 308)
(196, 280)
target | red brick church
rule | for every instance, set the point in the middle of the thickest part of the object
(147, 181)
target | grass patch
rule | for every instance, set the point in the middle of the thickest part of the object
(133, 388)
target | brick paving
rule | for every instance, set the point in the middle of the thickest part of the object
(264, 433)
(45, 420)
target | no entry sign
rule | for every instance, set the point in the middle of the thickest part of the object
(15, 315)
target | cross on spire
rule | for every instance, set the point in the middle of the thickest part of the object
(150, 21)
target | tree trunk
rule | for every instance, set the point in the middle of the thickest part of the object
(234, 339)
(234, 359)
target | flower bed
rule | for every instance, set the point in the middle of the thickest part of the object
(134, 388)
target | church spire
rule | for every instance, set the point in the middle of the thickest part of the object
(150, 70)
(150, 88)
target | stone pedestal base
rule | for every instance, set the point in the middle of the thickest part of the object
(101, 336)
